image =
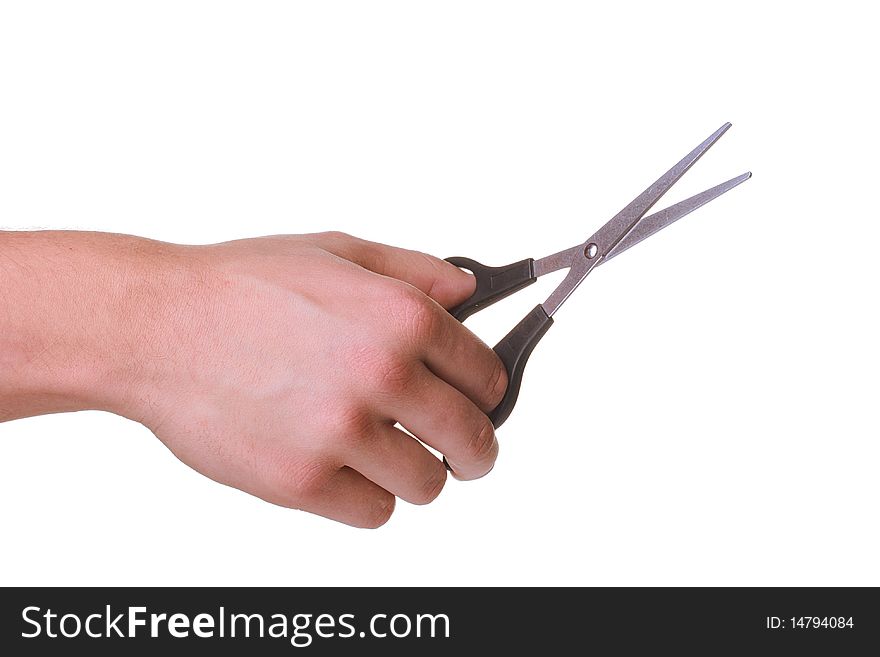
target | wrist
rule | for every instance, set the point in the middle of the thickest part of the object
(86, 319)
(150, 300)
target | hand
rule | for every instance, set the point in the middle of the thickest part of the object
(280, 366)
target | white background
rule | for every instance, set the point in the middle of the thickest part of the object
(704, 411)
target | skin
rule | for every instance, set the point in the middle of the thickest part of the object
(277, 365)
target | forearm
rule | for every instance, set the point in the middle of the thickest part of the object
(74, 310)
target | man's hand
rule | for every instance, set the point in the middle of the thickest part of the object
(277, 365)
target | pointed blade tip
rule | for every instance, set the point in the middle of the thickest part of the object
(738, 180)
(724, 128)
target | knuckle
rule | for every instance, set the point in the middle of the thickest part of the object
(371, 257)
(497, 383)
(481, 447)
(298, 481)
(432, 486)
(379, 511)
(419, 318)
(352, 423)
(441, 271)
(367, 254)
(335, 236)
(391, 374)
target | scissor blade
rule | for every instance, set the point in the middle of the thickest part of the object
(644, 229)
(615, 230)
(607, 237)
(660, 220)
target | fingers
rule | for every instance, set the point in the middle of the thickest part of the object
(349, 497)
(442, 417)
(450, 350)
(445, 283)
(465, 362)
(398, 463)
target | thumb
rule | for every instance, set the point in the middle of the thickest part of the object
(444, 282)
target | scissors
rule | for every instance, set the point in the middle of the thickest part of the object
(627, 228)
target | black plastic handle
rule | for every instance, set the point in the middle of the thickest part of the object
(493, 283)
(514, 351)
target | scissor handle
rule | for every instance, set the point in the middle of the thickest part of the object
(493, 283)
(514, 350)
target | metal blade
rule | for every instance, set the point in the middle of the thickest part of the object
(645, 228)
(604, 241)
(660, 220)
